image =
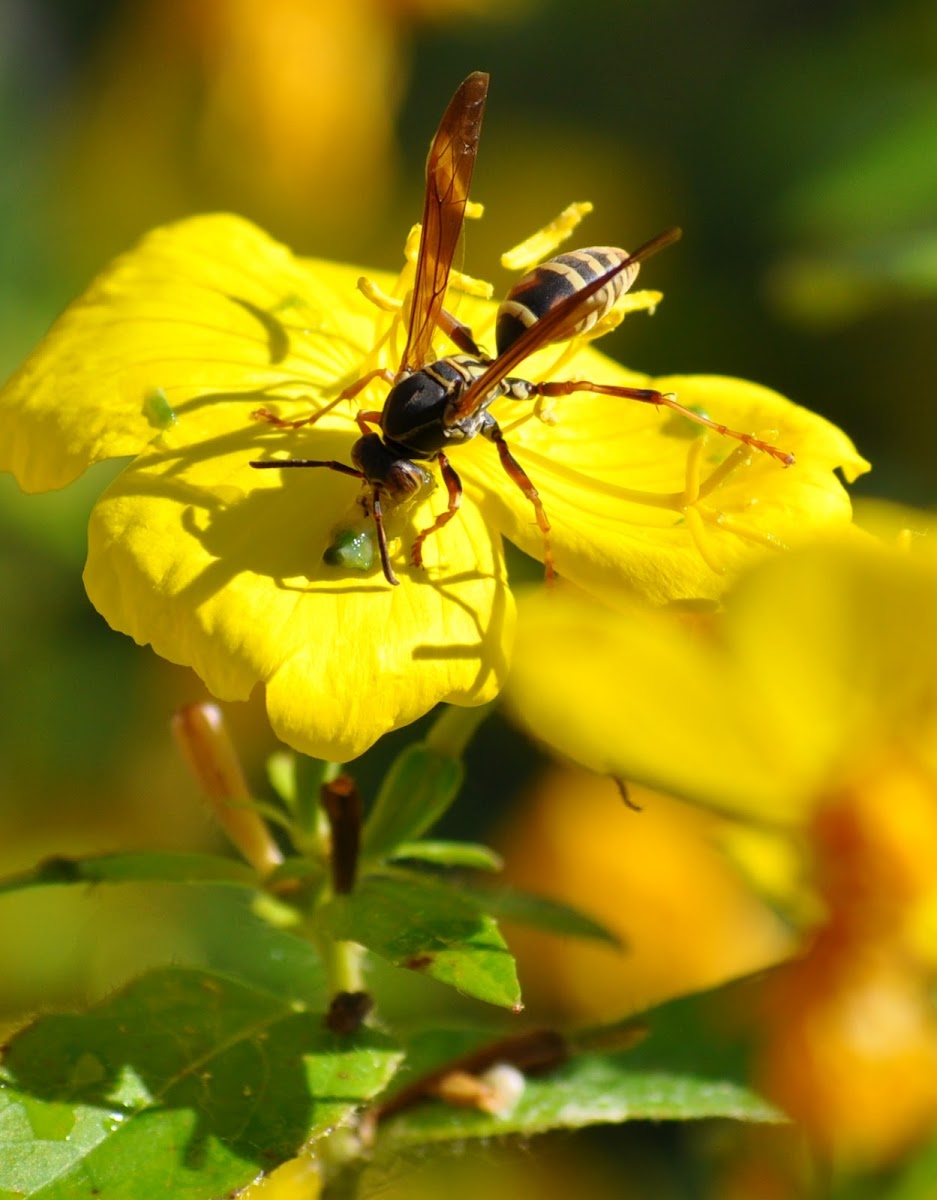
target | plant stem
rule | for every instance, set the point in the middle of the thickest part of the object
(344, 963)
(455, 727)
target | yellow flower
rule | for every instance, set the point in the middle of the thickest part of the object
(220, 567)
(809, 705)
(640, 874)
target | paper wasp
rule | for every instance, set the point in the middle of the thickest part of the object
(435, 404)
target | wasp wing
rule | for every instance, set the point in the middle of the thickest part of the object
(448, 177)
(553, 326)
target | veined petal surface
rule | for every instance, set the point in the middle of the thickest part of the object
(208, 311)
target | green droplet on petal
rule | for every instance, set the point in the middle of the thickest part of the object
(157, 409)
(352, 549)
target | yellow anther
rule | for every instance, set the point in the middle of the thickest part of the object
(376, 294)
(647, 299)
(474, 210)
(691, 484)
(697, 528)
(545, 241)
(470, 285)
(411, 249)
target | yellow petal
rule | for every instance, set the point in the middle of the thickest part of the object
(822, 665)
(219, 567)
(205, 311)
(640, 495)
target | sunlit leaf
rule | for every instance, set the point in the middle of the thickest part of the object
(663, 1078)
(185, 1084)
(451, 854)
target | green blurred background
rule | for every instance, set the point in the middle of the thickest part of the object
(796, 143)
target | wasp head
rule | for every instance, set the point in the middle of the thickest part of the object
(398, 478)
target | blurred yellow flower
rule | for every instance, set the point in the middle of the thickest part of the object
(657, 878)
(809, 705)
(193, 104)
(220, 567)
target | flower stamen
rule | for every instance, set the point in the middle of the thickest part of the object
(375, 293)
(547, 240)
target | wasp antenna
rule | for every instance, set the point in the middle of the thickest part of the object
(377, 513)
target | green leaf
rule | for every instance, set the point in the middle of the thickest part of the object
(524, 908)
(451, 854)
(184, 1084)
(915, 1179)
(665, 1077)
(155, 867)
(297, 870)
(592, 1089)
(425, 926)
(416, 791)
(540, 912)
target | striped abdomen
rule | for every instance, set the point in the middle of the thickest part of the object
(552, 281)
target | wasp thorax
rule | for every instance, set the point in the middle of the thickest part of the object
(414, 410)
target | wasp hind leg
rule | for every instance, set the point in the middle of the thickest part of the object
(461, 336)
(661, 400)
(514, 469)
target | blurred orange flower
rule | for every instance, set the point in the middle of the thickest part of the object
(284, 111)
(852, 1036)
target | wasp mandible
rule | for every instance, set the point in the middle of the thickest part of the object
(434, 405)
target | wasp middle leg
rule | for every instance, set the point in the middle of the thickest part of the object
(492, 431)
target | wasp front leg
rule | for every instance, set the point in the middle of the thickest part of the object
(661, 400)
(492, 431)
(264, 414)
(454, 489)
